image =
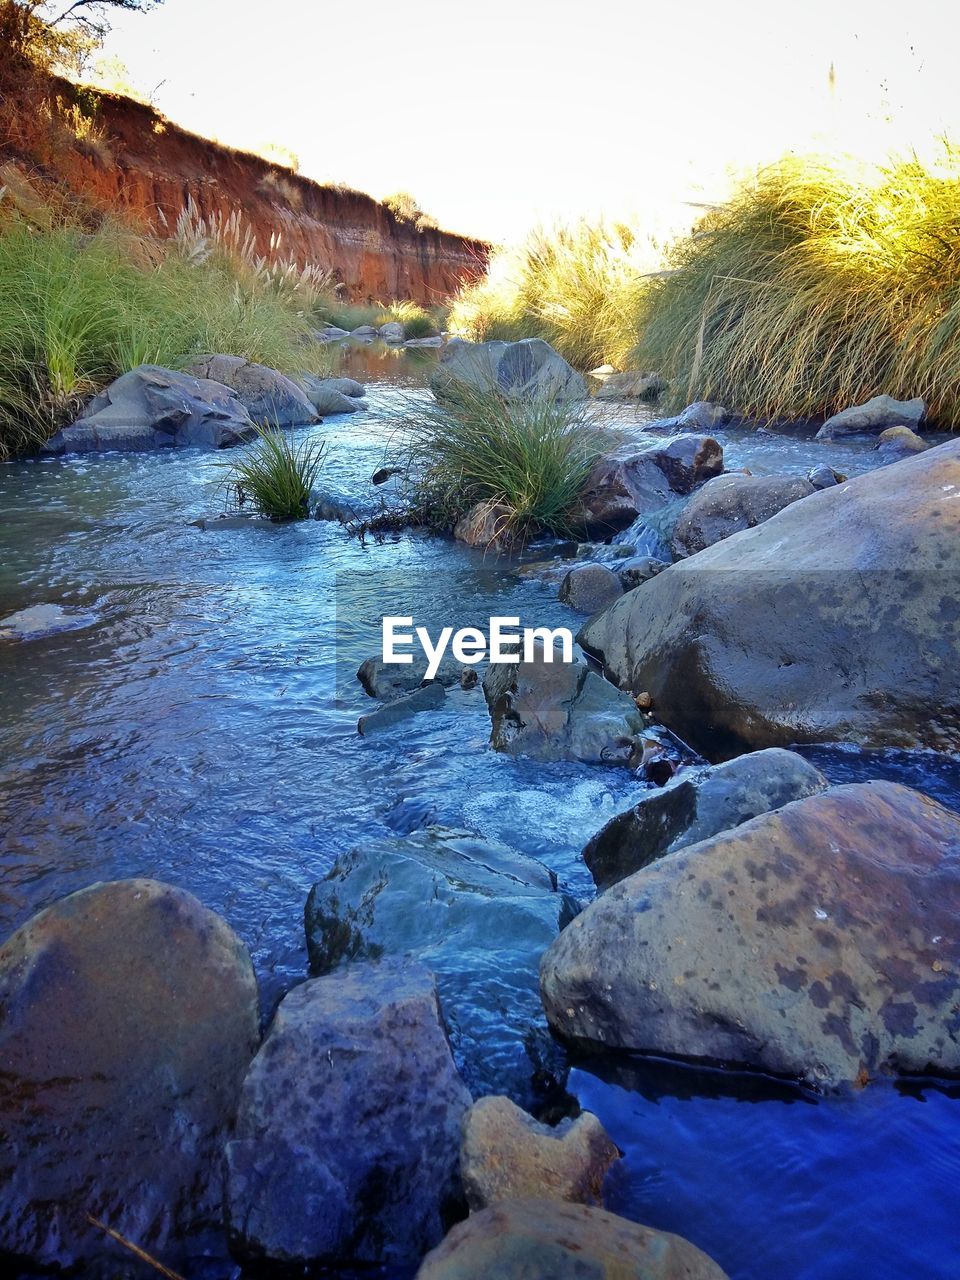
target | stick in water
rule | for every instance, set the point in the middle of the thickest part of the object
(134, 1249)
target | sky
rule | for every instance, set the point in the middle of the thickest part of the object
(502, 114)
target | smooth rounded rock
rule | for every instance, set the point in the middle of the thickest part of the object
(733, 502)
(588, 588)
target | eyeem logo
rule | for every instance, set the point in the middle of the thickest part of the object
(504, 642)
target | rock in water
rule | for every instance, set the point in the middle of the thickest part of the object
(588, 588)
(518, 369)
(549, 1240)
(478, 914)
(835, 620)
(347, 1137)
(128, 1016)
(638, 480)
(270, 398)
(326, 396)
(154, 408)
(730, 503)
(874, 416)
(507, 1155)
(631, 386)
(488, 525)
(817, 942)
(702, 804)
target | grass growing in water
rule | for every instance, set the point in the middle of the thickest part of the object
(819, 285)
(532, 455)
(276, 476)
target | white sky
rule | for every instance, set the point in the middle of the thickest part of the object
(502, 113)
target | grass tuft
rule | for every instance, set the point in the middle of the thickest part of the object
(275, 476)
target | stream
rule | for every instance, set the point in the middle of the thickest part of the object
(197, 724)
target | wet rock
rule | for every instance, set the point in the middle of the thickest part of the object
(639, 569)
(730, 503)
(835, 620)
(824, 477)
(348, 1127)
(153, 408)
(346, 386)
(635, 480)
(270, 398)
(39, 620)
(435, 341)
(631, 386)
(699, 416)
(391, 332)
(390, 680)
(899, 442)
(701, 804)
(488, 525)
(383, 474)
(428, 698)
(330, 506)
(225, 523)
(588, 588)
(331, 333)
(478, 914)
(873, 417)
(128, 1016)
(507, 1155)
(559, 711)
(549, 1240)
(325, 397)
(815, 942)
(522, 369)
(363, 331)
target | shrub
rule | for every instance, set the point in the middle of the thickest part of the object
(819, 285)
(275, 475)
(533, 455)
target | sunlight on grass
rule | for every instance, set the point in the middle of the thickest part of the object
(275, 476)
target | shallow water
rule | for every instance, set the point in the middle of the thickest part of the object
(199, 726)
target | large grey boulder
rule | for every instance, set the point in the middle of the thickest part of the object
(699, 803)
(270, 398)
(834, 620)
(478, 914)
(637, 480)
(560, 711)
(326, 397)
(817, 942)
(873, 417)
(154, 408)
(729, 503)
(519, 370)
(128, 1017)
(347, 1135)
(550, 1240)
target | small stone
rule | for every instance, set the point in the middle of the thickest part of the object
(644, 701)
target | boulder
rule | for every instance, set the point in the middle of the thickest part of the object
(270, 398)
(346, 1141)
(559, 711)
(326, 398)
(588, 588)
(331, 333)
(392, 331)
(519, 370)
(428, 698)
(729, 503)
(549, 1240)
(824, 477)
(835, 620)
(346, 386)
(128, 1016)
(637, 569)
(390, 680)
(899, 442)
(507, 1155)
(698, 417)
(478, 914)
(487, 525)
(631, 386)
(698, 804)
(154, 408)
(634, 481)
(816, 942)
(364, 331)
(873, 417)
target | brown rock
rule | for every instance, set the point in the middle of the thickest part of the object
(487, 525)
(729, 503)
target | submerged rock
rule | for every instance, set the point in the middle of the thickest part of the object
(429, 697)
(701, 804)
(639, 569)
(550, 1240)
(39, 620)
(729, 503)
(390, 680)
(899, 442)
(588, 588)
(522, 369)
(559, 711)
(478, 914)
(270, 398)
(326, 397)
(507, 1155)
(153, 408)
(128, 1016)
(815, 942)
(346, 1146)
(835, 620)
(873, 416)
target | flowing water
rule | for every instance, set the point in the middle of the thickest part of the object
(197, 724)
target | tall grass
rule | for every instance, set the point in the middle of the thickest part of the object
(417, 321)
(77, 309)
(819, 285)
(579, 287)
(531, 455)
(276, 476)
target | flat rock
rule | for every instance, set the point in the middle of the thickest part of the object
(128, 1016)
(873, 417)
(39, 620)
(549, 1240)
(816, 942)
(430, 697)
(729, 503)
(347, 1134)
